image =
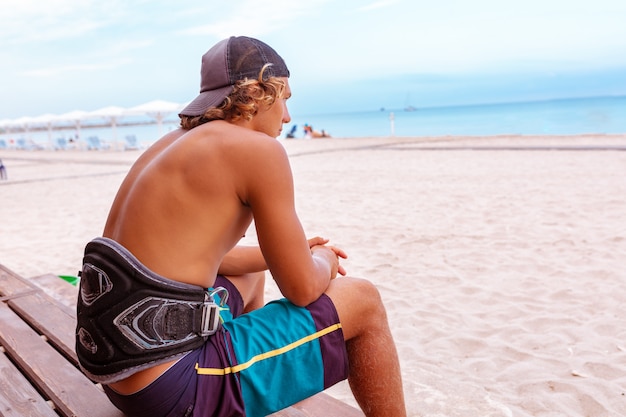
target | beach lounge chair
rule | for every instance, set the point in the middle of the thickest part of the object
(21, 144)
(27, 145)
(61, 144)
(131, 142)
(94, 143)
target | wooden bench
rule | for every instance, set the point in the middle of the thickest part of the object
(39, 369)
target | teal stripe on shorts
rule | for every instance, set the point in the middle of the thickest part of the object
(280, 361)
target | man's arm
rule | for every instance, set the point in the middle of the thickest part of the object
(301, 272)
(242, 260)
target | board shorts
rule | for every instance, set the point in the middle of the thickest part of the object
(256, 364)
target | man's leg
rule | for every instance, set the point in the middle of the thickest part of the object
(374, 368)
(251, 287)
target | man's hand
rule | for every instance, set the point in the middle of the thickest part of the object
(319, 244)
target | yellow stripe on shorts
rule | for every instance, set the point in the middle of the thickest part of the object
(267, 355)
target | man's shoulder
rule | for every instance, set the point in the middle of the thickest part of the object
(247, 138)
(225, 130)
(228, 138)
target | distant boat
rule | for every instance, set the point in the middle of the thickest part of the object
(409, 107)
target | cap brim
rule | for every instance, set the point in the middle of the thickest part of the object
(206, 100)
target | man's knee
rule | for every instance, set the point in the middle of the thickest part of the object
(367, 292)
(356, 289)
(358, 303)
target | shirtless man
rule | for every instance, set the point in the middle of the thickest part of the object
(169, 259)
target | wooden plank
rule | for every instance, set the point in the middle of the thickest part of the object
(59, 289)
(288, 412)
(50, 318)
(12, 285)
(70, 391)
(318, 405)
(323, 404)
(18, 398)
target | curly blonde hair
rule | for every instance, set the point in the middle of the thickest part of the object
(242, 103)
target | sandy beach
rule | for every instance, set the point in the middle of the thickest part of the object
(501, 260)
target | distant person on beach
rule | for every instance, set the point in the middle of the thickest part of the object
(309, 132)
(171, 311)
(3, 171)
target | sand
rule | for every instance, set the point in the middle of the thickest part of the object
(501, 260)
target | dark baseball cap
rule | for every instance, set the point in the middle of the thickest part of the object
(229, 61)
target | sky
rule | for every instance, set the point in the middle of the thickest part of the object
(58, 56)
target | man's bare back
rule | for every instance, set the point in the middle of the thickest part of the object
(170, 203)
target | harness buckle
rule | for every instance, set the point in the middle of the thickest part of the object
(210, 318)
(211, 310)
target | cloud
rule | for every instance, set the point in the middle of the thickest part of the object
(119, 48)
(36, 21)
(255, 18)
(68, 69)
(377, 5)
(60, 37)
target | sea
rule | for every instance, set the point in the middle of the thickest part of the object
(594, 115)
(602, 115)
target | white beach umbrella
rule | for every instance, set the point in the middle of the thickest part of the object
(157, 109)
(112, 114)
(75, 117)
(44, 120)
(108, 112)
(24, 124)
(6, 125)
(72, 116)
